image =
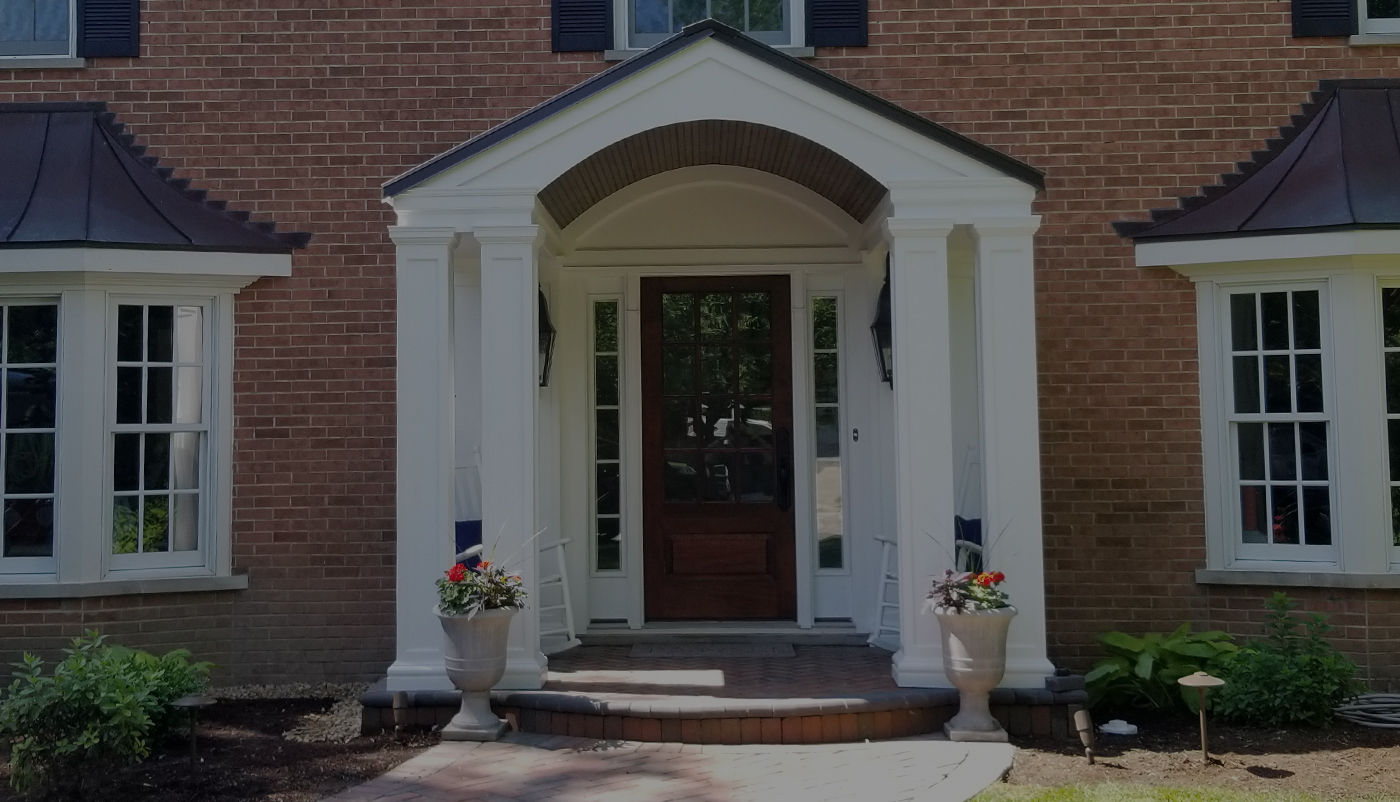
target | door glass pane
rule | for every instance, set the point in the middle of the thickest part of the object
(716, 316)
(715, 429)
(608, 489)
(756, 476)
(755, 316)
(756, 369)
(605, 381)
(717, 369)
(754, 426)
(607, 434)
(605, 327)
(825, 375)
(720, 476)
(828, 432)
(677, 370)
(682, 475)
(678, 317)
(677, 423)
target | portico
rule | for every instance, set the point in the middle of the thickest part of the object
(709, 226)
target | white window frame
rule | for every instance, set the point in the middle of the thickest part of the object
(621, 572)
(1383, 25)
(21, 567)
(1264, 552)
(1383, 283)
(622, 26)
(842, 403)
(198, 558)
(68, 53)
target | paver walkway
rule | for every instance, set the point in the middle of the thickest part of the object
(541, 768)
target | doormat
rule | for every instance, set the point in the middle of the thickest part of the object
(713, 650)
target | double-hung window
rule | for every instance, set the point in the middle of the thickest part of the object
(159, 430)
(29, 361)
(1380, 16)
(768, 21)
(1278, 414)
(36, 27)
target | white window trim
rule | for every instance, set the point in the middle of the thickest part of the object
(842, 401)
(624, 49)
(82, 547)
(591, 427)
(125, 565)
(1271, 554)
(66, 58)
(1360, 496)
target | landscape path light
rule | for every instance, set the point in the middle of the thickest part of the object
(1201, 681)
(193, 703)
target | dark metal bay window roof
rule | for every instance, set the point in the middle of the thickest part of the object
(1336, 168)
(72, 178)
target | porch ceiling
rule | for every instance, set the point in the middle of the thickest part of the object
(712, 142)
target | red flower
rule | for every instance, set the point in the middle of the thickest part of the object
(984, 579)
(483, 565)
(457, 573)
(998, 577)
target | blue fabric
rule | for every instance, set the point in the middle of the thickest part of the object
(467, 534)
(969, 530)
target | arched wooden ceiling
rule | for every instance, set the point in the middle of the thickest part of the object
(704, 142)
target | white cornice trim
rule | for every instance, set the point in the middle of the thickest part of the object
(1187, 253)
(238, 269)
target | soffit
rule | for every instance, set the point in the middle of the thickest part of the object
(73, 177)
(711, 142)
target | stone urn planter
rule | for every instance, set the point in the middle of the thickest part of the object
(974, 658)
(475, 652)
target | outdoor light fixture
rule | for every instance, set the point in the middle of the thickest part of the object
(547, 335)
(883, 330)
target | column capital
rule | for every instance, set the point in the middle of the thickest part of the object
(1006, 226)
(423, 235)
(508, 235)
(918, 227)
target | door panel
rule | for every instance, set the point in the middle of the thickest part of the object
(718, 537)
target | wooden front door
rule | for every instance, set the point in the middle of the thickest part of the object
(717, 448)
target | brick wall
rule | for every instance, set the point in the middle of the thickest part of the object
(299, 109)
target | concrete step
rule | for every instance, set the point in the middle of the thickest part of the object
(822, 634)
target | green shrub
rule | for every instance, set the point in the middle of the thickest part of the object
(101, 708)
(1291, 676)
(1142, 672)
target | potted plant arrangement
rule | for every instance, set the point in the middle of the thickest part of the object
(475, 606)
(974, 615)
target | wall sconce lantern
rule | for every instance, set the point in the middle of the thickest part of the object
(883, 330)
(547, 336)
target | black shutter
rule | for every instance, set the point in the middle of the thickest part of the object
(582, 25)
(1324, 17)
(836, 23)
(108, 28)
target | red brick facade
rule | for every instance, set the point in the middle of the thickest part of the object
(300, 109)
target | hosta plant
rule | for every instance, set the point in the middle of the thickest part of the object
(101, 707)
(1142, 672)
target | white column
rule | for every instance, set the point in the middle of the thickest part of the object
(1007, 369)
(1360, 494)
(425, 450)
(924, 481)
(509, 395)
(82, 441)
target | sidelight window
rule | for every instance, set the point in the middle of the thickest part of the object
(1280, 425)
(826, 418)
(607, 428)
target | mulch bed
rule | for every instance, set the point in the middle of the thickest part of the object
(1343, 760)
(244, 758)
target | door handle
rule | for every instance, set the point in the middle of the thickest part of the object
(784, 469)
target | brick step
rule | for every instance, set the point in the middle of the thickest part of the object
(710, 720)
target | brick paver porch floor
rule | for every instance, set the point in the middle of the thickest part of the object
(816, 671)
(541, 768)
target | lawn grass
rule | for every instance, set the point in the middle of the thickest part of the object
(1109, 792)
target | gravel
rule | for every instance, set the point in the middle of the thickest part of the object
(340, 724)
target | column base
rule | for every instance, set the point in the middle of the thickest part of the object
(524, 672)
(418, 676)
(922, 670)
(997, 736)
